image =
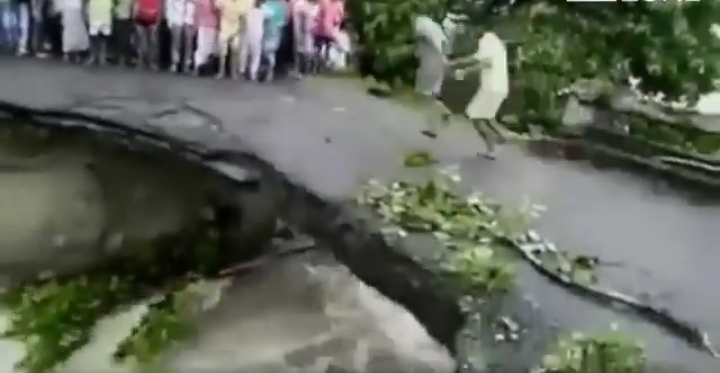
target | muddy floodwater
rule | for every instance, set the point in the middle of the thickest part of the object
(305, 313)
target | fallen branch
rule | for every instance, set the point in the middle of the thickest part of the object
(295, 247)
(688, 163)
(692, 335)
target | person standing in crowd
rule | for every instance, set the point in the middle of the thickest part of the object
(206, 21)
(36, 27)
(175, 15)
(251, 45)
(122, 31)
(340, 51)
(74, 35)
(148, 14)
(330, 16)
(23, 18)
(8, 24)
(189, 33)
(304, 17)
(53, 28)
(233, 16)
(285, 56)
(276, 16)
(431, 46)
(491, 60)
(99, 28)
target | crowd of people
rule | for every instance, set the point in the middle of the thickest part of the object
(249, 38)
(234, 38)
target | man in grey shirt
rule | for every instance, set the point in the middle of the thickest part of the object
(431, 48)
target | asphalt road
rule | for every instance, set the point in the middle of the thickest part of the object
(333, 138)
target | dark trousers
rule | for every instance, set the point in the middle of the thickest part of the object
(122, 40)
(98, 48)
(285, 58)
(38, 10)
(147, 44)
(53, 34)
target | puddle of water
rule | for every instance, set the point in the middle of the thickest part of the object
(301, 313)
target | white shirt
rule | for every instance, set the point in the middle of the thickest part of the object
(189, 18)
(71, 4)
(494, 78)
(176, 12)
(255, 24)
(305, 14)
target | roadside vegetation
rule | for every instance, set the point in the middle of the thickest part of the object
(55, 317)
(670, 48)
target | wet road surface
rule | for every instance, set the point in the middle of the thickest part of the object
(333, 138)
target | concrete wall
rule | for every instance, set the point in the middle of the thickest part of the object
(68, 200)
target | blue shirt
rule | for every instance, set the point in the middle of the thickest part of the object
(277, 15)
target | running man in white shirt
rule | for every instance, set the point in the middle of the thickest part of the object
(491, 60)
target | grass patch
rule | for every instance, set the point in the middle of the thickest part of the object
(472, 253)
(611, 352)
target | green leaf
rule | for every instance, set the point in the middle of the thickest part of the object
(419, 158)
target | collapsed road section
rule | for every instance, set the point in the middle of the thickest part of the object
(144, 186)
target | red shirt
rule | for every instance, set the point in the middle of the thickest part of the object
(206, 14)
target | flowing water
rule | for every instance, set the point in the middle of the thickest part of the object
(304, 313)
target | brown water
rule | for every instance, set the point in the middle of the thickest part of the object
(300, 314)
